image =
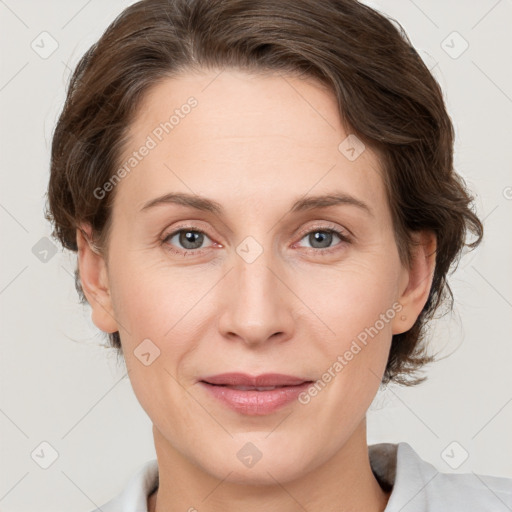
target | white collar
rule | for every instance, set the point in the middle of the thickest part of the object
(417, 486)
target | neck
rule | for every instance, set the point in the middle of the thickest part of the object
(346, 479)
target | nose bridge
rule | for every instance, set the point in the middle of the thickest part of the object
(257, 305)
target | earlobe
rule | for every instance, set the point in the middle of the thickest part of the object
(94, 280)
(417, 281)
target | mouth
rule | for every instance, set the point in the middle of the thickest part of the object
(245, 382)
(255, 396)
(247, 388)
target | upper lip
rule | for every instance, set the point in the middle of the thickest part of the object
(266, 379)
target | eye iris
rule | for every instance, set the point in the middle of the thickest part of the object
(323, 237)
(188, 239)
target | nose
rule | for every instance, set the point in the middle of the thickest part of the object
(258, 303)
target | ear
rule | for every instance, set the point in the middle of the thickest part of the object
(94, 280)
(416, 280)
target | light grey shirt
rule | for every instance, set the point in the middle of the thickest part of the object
(417, 486)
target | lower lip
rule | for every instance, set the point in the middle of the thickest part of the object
(253, 402)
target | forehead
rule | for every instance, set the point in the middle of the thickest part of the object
(220, 132)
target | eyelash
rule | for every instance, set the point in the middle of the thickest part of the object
(345, 239)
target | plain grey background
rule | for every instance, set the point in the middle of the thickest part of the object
(59, 387)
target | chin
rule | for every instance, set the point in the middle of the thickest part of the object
(258, 475)
(258, 462)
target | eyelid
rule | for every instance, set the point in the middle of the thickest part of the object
(327, 226)
(185, 227)
(192, 225)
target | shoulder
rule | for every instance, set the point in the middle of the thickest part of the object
(418, 486)
(472, 492)
(133, 498)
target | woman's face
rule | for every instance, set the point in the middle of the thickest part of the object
(266, 282)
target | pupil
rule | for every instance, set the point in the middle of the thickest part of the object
(189, 239)
(323, 237)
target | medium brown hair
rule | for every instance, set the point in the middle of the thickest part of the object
(385, 93)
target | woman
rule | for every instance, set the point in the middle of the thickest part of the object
(263, 202)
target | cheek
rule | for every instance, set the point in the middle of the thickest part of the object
(352, 297)
(163, 314)
(152, 302)
(359, 310)
(158, 315)
(166, 402)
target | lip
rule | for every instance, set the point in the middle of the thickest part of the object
(253, 402)
(242, 379)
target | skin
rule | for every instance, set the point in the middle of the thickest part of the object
(254, 144)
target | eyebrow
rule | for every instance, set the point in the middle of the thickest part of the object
(302, 204)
